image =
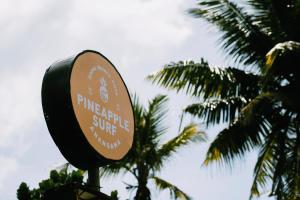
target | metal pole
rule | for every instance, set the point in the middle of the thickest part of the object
(93, 178)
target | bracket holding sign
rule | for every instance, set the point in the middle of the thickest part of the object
(88, 110)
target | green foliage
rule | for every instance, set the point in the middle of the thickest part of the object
(114, 195)
(175, 192)
(148, 154)
(241, 37)
(261, 106)
(56, 179)
(192, 78)
(23, 192)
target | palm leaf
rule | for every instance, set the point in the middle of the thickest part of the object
(138, 110)
(175, 192)
(280, 167)
(148, 136)
(217, 110)
(277, 162)
(245, 133)
(188, 135)
(241, 38)
(116, 168)
(264, 167)
(291, 171)
(267, 19)
(155, 115)
(199, 79)
(233, 142)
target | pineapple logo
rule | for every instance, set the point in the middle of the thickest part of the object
(103, 90)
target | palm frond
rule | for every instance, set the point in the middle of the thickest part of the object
(279, 169)
(189, 134)
(138, 108)
(277, 161)
(265, 16)
(264, 167)
(114, 169)
(217, 110)
(148, 126)
(148, 135)
(175, 192)
(290, 172)
(241, 38)
(154, 117)
(199, 79)
(245, 133)
(233, 142)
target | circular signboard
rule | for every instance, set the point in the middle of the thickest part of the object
(88, 110)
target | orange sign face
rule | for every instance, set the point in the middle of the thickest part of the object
(102, 105)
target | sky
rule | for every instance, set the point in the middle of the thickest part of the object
(139, 37)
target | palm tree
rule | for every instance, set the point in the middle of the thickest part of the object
(148, 155)
(257, 98)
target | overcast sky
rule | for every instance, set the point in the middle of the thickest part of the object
(139, 37)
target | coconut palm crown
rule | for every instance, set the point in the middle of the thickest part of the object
(258, 98)
(148, 154)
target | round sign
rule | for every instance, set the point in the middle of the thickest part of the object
(88, 110)
(102, 106)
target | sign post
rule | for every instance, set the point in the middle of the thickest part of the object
(88, 111)
(93, 178)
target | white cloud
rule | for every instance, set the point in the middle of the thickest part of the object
(8, 167)
(146, 23)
